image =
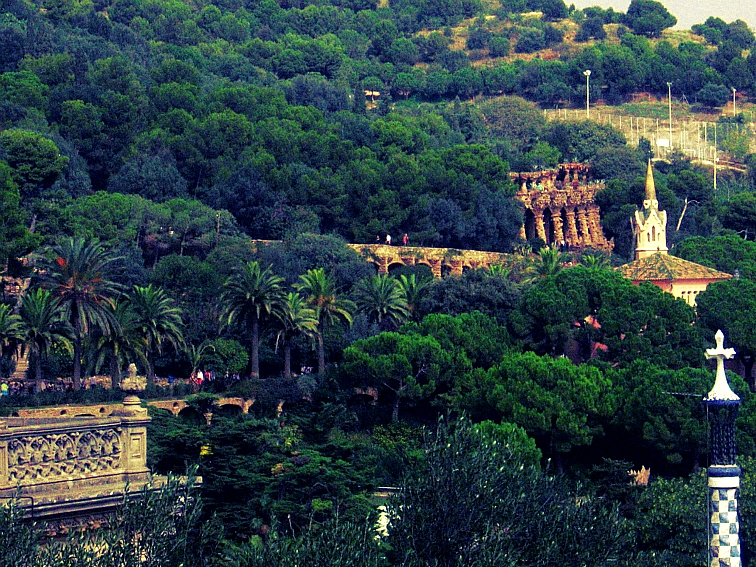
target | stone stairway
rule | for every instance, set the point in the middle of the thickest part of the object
(22, 365)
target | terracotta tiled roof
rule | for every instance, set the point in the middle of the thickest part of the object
(663, 267)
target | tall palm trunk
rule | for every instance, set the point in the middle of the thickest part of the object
(321, 354)
(255, 373)
(287, 360)
(77, 362)
(38, 372)
(150, 371)
(115, 373)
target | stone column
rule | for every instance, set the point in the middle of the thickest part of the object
(134, 420)
(3, 454)
(435, 266)
(523, 235)
(556, 220)
(583, 220)
(723, 473)
(539, 226)
(572, 233)
(594, 225)
(383, 265)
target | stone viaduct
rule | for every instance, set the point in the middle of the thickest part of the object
(560, 208)
(441, 261)
(106, 410)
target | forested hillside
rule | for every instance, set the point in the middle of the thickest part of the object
(259, 108)
(145, 143)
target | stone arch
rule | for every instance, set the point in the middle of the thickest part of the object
(376, 266)
(395, 265)
(578, 225)
(548, 226)
(229, 410)
(424, 263)
(84, 415)
(565, 222)
(446, 269)
(530, 228)
(191, 414)
(164, 410)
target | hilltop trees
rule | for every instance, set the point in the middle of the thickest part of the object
(648, 17)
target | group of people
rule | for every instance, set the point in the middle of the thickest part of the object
(17, 387)
(405, 239)
(199, 378)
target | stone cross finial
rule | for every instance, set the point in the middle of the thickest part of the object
(721, 389)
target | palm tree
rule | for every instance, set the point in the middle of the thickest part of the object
(77, 278)
(158, 320)
(10, 328)
(250, 295)
(550, 262)
(413, 291)
(320, 291)
(42, 327)
(382, 300)
(294, 318)
(124, 342)
(499, 271)
(196, 355)
(595, 259)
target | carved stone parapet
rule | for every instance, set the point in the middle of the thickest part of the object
(56, 456)
(47, 451)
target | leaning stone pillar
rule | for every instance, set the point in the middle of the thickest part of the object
(583, 220)
(723, 473)
(435, 266)
(594, 225)
(540, 228)
(572, 233)
(556, 220)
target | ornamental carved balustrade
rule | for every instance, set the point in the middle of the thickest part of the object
(45, 455)
(70, 454)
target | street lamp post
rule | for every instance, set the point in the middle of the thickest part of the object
(734, 90)
(669, 99)
(587, 74)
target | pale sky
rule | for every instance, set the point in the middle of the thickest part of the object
(690, 12)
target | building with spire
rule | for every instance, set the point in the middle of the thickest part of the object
(653, 264)
(650, 225)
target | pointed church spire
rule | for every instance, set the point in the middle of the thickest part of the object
(650, 201)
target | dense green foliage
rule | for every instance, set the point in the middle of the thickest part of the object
(145, 144)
